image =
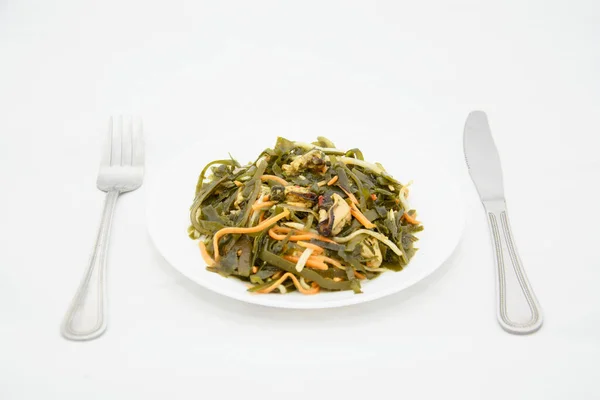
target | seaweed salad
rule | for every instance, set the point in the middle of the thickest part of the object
(302, 217)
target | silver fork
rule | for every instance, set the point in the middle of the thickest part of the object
(121, 170)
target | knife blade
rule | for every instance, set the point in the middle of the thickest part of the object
(482, 157)
(518, 310)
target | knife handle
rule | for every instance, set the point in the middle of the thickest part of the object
(518, 309)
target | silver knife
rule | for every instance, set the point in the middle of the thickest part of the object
(518, 309)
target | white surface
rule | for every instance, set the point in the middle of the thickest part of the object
(388, 67)
(171, 190)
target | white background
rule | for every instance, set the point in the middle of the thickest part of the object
(406, 73)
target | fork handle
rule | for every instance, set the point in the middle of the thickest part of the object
(86, 317)
(518, 309)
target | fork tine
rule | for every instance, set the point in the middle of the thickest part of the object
(117, 134)
(107, 150)
(138, 143)
(127, 141)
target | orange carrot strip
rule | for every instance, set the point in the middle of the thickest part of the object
(254, 269)
(315, 289)
(317, 265)
(277, 275)
(360, 217)
(410, 219)
(258, 228)
(266, 198)
(311, 235)
(261, 216)
(350, 195)
(296, 238)
(310, 263)
(238, 183)
(274, 235)
(274, 286)
(204, 253)
(333, 180)
(359, 275)
(307, 245)
(260, 206)
(333, 262)
(281, 229)
(274, 178)
(373, 196)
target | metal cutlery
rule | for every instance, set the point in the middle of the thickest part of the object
(121, 171)
(517, 306)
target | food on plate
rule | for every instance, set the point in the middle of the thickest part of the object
(303, 217)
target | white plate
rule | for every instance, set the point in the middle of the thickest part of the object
(433, 195)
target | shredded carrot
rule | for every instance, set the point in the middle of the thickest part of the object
(261, 206)
(254, 269)
(317, 265)
(275, 284)
(302, 235)
(333, 262)
(261, 216)
(410, 219)
(359, 275)
(373, 196)
(314, 290)
(277, 275)
(274, 179)
(258, 228)
(333, 180)
(297, 238)
(238, 183)
(397, 201)
(294, 238)
(326, 260)
(282, 229)
(204, 253)
(360, 217)
(307, 245)
(350, 195)
(274, 235)
(310, 263)
(266, 198)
